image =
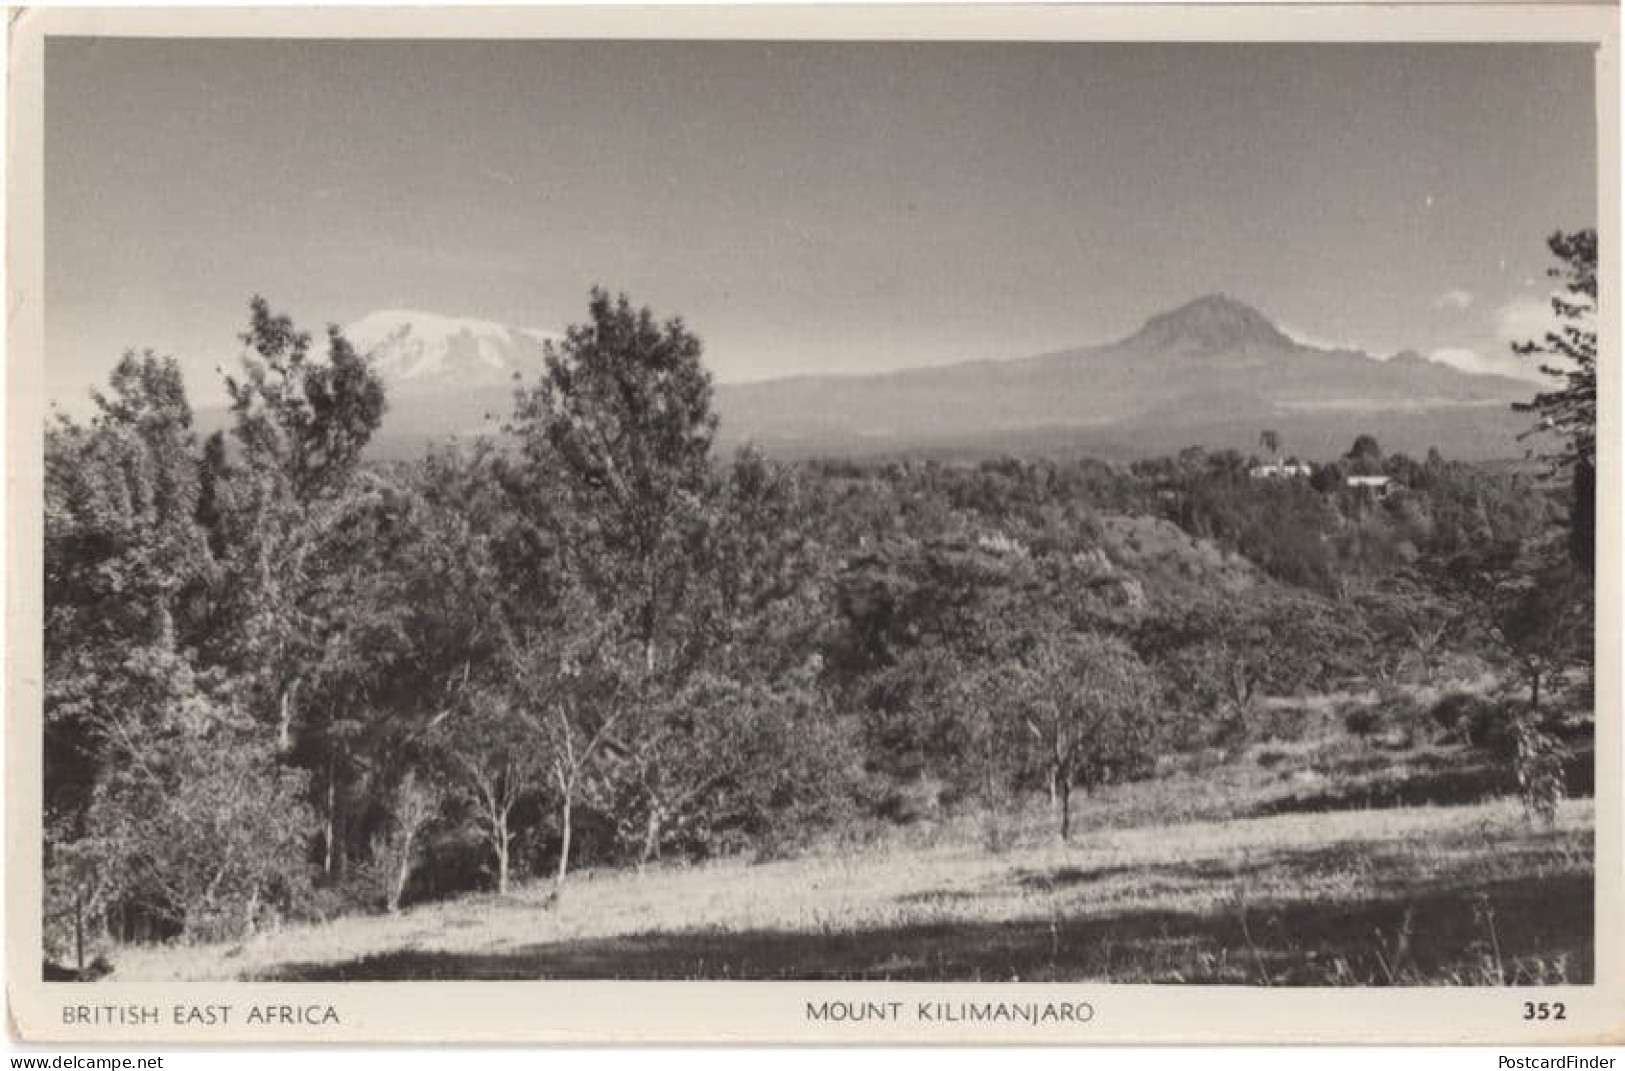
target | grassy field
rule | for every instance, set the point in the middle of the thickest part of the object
(1284, 866)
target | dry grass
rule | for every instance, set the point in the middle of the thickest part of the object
(1465, 894)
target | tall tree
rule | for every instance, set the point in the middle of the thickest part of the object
(623, 416)
(574, 690)
(617, 439)
(1532, 610)
(122, 556)
(121, 500)
(300, 418)
(494, 767)
(1365, 456)
(1568, 354)
(165, 799)
(752, 624)
(301, 425)
(475, 577)
(1086, 705)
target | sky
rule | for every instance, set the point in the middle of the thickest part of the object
(807, 207)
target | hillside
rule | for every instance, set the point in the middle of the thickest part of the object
(1229, 893)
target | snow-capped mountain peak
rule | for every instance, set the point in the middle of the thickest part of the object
(424, 351)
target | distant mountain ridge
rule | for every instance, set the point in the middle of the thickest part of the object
(1214, 372)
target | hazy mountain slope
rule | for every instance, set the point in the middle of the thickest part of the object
(1213, 372)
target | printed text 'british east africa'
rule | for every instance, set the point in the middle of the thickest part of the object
(1025, 1012)
(201, 1015)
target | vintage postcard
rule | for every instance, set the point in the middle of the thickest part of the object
(854, 524)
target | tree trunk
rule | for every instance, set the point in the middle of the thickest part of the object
(565, 808)
(651, 839)
(1583, 518)
(405, 872)
(1065, 807)
(328, 822)
(502, 855)
(1054, 789)
(1534, 690)
(166, 624)
(79, 931)
(284, 731)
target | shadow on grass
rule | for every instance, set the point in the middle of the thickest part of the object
(1067, 877)
(1441, 783)
(938, 896)
(1523, 931)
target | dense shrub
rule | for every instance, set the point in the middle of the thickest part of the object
(1363, 720)
(1470, 718)
(206, 829)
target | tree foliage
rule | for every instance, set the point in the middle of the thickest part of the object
(1568, 411)
(622, 419)
(1086, 705)
(195, 822)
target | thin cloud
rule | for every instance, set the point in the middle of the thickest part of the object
(1529, 319)
(1479, 364)
(1454, 299)
(1524, 319)
(1314, 341)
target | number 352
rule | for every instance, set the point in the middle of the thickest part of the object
(1542, 1010)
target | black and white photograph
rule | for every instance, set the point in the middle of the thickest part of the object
(821, 510)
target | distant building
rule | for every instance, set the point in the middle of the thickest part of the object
(1281, 470)
(1378, 486)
